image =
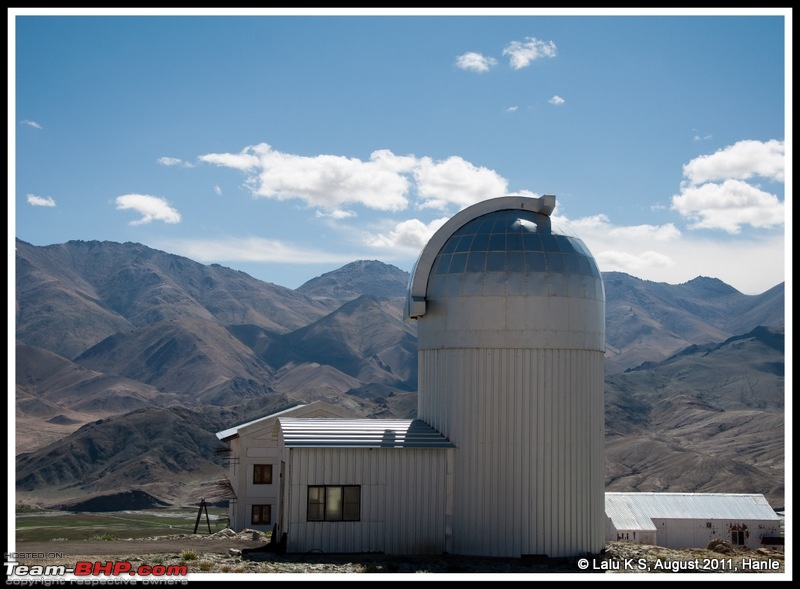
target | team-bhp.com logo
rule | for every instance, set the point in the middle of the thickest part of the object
(21, 574)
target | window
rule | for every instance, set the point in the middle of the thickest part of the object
(261, 515)
(262, 474)
(334, 503)
(737, 537)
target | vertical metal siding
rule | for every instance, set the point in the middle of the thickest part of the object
(403, 500)
(528, 425)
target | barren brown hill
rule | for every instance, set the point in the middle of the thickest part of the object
(694, 371)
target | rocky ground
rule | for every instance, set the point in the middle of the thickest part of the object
(227, 552)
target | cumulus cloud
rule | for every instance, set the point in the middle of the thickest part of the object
(248, 159)
(625, 249)
(410, 235)
(324, 181)
(384, 182)
(662, 253)
(33, 124)
(522, 53)
(728, 206)
(715, 193)
(475, 62)
(557, 100)
(152, 208)
(741, 161)
(41, 201)
(456, 181)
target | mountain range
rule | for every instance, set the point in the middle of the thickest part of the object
(129, 359)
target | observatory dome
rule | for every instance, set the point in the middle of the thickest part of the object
(502, 272)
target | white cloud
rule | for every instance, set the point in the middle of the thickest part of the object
(456, 181)
(337, 214)
(217, 190)
(661, 253)
(410, 236)
(521, 54)
(152, 208)
(385, 182)
(728, 206)
(512, 109)
(253, 249)
(245, 161)
(173, 161)
(632, 263)
(323, 181)
(33, 124)
(602, 225)
(740, 161)
(557, 100)
(475, 62)
(715, 195)
(41, 201)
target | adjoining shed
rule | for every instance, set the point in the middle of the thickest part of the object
(691, 520)
(365, 485)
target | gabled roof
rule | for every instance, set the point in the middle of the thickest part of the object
(636, 511)
(358, 433)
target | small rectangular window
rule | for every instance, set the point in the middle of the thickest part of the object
(261, 515)
(352, 504)
(334, 503)
(737, 538)
(262, 474)
(316, 504)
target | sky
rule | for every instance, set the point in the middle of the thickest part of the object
(287, 144)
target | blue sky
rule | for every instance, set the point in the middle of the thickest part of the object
(287, 144)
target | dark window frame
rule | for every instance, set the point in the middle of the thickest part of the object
(257, 513)
(320, 497)
(262, 474)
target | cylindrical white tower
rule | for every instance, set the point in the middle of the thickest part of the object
(510, 314)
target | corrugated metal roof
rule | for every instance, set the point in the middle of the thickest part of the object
(359, 433)
(636, 511)
(234, 431)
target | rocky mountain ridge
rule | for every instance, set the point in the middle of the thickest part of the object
(110, 335)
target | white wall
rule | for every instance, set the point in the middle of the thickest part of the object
(695, 533)
(254, 444)
(403, 499)
(686, 533)
(530, 465)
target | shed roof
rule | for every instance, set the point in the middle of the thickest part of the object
(359, 433)
(234, 431)
(636, 511)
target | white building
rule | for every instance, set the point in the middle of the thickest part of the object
(506, 457)
(254, 468)
(691, 520)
